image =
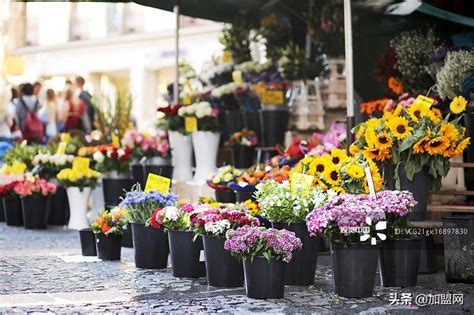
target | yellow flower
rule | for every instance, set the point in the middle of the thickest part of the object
(450, 131)
(377, 154)
(418, 110)
(318, 165)
(361, 131)
(437, 145)
(331, 175)
(338, 156)
(353, 149)
(399, 127)
(355, 171)
(383, 141)
(458, 104)
(419, 146)
(339, 190)
(461, 147)
(437, 113)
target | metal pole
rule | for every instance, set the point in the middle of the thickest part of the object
(176, 57)
(349, 70)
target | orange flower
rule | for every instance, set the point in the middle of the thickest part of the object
(395, 85)
(105, 228)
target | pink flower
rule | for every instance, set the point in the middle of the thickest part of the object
(214, 112)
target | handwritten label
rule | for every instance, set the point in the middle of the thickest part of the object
(302, 180)
(80, 163)
(237, 77)
(370, 181)
(115, 140)
(62, 148)
(190, 124)
(201, 256)
(423, 100)
(157, 183)
(271, 97)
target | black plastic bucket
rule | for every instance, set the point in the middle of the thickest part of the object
(114, 189)
(162, 170)
(399, 262)
(35, 212)
(2, 211)
(222, 270)
(469, 124)
(302, 268)
(151, 246)
(353, 267)
(87, 242)
(244, 156)
(138, 174)
(186, 255)
(244, 195)
(274, 126)
(13, 212)
(251, 121)
(225, 195)
(264, 279)
(58, 208)
(419, 187)
(109, 247)
(127, 238)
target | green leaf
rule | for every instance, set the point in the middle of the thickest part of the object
(407, 143)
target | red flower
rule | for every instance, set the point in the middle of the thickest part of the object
(153, 221)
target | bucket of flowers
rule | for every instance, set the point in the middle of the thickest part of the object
(286, 207)
(243, 148)
(114, 163)
(34, 192)
(350, 223)
(264, 253)
(222, 270)
(46, 165)
(185, 252)
(108, 229)
(149, 240)
(244, 185)
(78, 184)
(11, 204)
(219, 182)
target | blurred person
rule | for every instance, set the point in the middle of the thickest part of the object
(62, 109)
(86, 97)
(27, 108)
(48, 114)
(36, 89)
(76, 109)
(6, 117)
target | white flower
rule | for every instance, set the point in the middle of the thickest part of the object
(120, 152)
(217, 228)
(98, 157)
(182, 111)
(225, 89)
(171, 213)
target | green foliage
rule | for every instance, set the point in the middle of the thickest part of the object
(21, 153)
(114, 115)
(236, 39)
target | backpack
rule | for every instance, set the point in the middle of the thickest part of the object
(33, 129)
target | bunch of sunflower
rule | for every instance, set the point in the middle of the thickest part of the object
(340, 172)
(415, 137)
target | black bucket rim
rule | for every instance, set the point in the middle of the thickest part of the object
(460, 217)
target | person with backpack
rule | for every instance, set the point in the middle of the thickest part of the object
(27, 107)
(88, 119)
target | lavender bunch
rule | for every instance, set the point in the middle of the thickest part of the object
(250, 242)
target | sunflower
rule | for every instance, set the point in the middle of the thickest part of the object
(419, 146)
(437, 113)
(338, 156)
(450, 131)
(437, 145)
(418, 110)
(377, 154)
(355, 171)
(383, 141)
(318, 165)
(354, 149)
(449, 152)
(338, 190)
(331, 175)
(399, 127)
(360, 131)
(461, 147)
(458, 104)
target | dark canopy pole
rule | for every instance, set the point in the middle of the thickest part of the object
(349, 71)
(176, 56)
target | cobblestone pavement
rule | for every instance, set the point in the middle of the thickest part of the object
(34, 277)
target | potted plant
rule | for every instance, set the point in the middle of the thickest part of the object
(347, 221)
(11, 201)
(286, 207)
(222, 270)
(179, 140)
(47, 165)
(244, 185)
(78, 184)
(205, 136)
(150, 154)
(400, 252)
(114, 163)
(264, 253)
(219, 181)
(108, 229)
(417, 143)
(243, 147)
(185, 252)
(34, 193)
(149, 239)
(231, 116)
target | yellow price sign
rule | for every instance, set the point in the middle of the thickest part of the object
(227, 56)
(301, 180)
(115, 140)
(237, 76)
(61, 148)
(158, 183)
(190, 124)
(423, 100)
(65, 137)
(80, 163)
(187, 100)
(272, 97)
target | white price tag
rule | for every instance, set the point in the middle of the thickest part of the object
(201, 256)
(370, 181)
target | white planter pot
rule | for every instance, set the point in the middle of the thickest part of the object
(182, 153)
(98, 203)
(78, 201)
(205, 144)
